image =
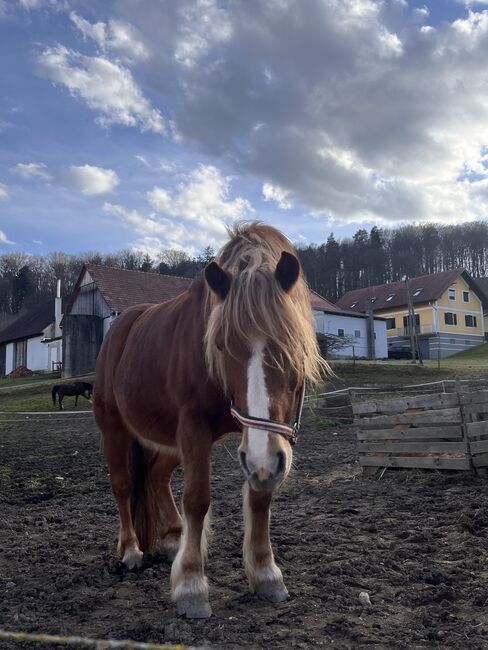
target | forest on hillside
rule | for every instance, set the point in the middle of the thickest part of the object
(332, 268)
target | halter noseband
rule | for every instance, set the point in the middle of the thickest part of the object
(289, 432)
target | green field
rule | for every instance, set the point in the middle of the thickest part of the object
(36, 396)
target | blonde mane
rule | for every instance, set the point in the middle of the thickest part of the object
(258, 308)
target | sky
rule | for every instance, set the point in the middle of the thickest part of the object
(152, 124)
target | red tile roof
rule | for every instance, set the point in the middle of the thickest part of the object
(430, 287)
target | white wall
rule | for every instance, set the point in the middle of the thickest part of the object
(37, 354)
(106, 324)
(327, 323)
(9, 358)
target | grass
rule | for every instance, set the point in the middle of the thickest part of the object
(37, 397)
(474, 358)
(40, 376)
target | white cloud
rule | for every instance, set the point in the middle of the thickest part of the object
(93, 181)
(3, 238)
(116, 35)
(277, 194)
(105, 86)
(190, 217)
(27, 171)
(3, 192)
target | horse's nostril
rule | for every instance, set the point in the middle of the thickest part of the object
(242, 457)
(281, 462)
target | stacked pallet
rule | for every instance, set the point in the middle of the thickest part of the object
(475, 414)
(424, 431)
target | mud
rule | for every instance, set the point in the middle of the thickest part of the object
(416, 542)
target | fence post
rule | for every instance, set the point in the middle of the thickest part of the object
(464, 428)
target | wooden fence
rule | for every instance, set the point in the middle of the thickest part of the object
(446, 430)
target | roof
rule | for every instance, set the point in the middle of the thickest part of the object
(122, 289)
(482, 284)
(430, 288)
(31, 324)
(320, 303)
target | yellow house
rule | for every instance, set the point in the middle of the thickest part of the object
(447, 306)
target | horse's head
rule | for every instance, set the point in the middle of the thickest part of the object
(262, 374)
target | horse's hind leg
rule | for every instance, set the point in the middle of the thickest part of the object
(171, 522)
(76, 401)
(117, 444)
(60, 397)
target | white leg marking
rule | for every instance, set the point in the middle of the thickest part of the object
(189, 585)
(132, 557)
(257, 406)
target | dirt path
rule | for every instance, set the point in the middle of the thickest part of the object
(417, 542)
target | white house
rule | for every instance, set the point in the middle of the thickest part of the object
(33, 340)
(332, 320)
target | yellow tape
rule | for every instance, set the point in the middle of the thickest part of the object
(84, 642)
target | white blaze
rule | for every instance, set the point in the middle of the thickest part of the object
(258, 406)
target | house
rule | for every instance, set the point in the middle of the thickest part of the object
(34, 339)
(331, 319)
(102, 293)
(447, 308)
(483, 287)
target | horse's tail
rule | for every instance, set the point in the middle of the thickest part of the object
(146, 513)
(53, 394)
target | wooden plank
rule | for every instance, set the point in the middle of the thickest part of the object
(419, 463)
(442, 416)
(478, 446)
(477, 428)
(392, 406)
(452, 432)
(414, 447)
(480, 460)
(481, 397)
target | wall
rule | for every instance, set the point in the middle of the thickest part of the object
(37, 354)
(82, 338)
(9, 358)
(461, 309)
(327, 323)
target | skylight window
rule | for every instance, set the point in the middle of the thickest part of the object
(417, 292)
(390, 297)
(353, 304)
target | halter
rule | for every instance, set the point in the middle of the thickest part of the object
(289, 432)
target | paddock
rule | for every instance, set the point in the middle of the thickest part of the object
(414, 540)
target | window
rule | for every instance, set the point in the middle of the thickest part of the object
(340, 332)
(357, 334)
(373, 299)
(353, 304)
(452, 294)
(465, 296)
(390, 323)
(450, 318)
(417, 292)
(470, 320)
(20, 354)
(452, 341)
(406, 321)
(390, 297)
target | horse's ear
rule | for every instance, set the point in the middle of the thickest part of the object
(217, 279)
(287, 271)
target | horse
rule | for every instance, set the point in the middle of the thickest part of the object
(230, 354)
(82, 388)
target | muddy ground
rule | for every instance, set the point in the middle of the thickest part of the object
(416, 542)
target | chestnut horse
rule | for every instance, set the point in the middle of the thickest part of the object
(230, 354)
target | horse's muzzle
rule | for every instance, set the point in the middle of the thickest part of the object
(264, 479)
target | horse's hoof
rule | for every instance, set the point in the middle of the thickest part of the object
(194, 606)
(133, 558)
(274, 591)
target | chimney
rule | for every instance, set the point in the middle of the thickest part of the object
(57, 310)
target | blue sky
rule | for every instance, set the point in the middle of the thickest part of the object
(151, 125)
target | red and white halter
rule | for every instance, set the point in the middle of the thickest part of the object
(289, 432)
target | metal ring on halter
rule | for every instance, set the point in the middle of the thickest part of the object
(288, 432)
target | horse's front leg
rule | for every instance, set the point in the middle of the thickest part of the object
(188, 582)
(265, 578)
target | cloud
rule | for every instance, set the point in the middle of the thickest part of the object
(116, 35)
(3, 192)
(105, 86)
(28, 171)
(93, 181)
(190, 217)
(278, 195)
(3, 238)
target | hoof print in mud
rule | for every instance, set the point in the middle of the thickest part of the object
(194, 607)
(272, 591)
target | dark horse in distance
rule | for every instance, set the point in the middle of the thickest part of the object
(230, 354)
(76, 389)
